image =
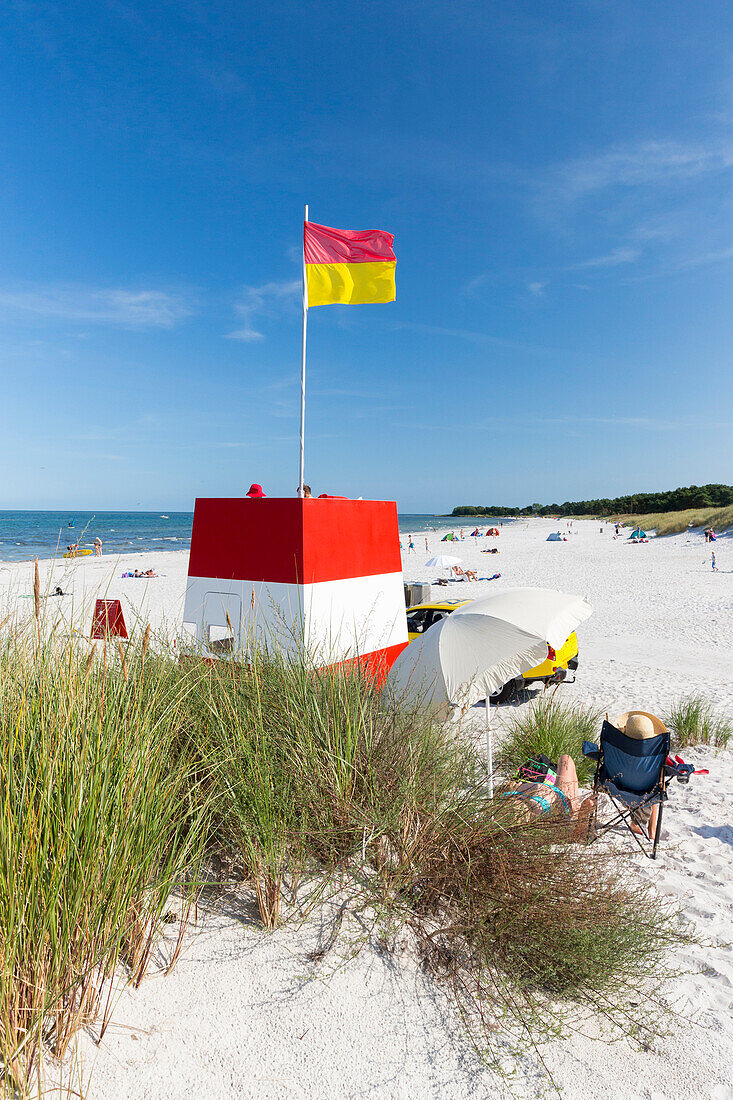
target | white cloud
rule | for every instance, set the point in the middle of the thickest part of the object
(537, 289)
(261, 301)
(470, 288)
(113, 306)
(718, 257)
(611, 259)
(646, 162)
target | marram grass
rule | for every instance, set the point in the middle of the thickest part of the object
(673, 523)
(99, 822)
(549, 728)
(122, 773)
(692, 721)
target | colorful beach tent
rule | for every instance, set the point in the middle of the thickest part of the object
(637, 534)
(450, 537)
(555, 536)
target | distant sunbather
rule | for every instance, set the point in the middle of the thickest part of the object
(465, 574)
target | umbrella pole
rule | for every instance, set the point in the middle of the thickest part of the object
(489, 748)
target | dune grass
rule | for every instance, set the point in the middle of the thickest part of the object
(99, 824)
(323, 779)
(549, 728)
(672, 523)
(692, 721)
(311, 769)
(124, 772)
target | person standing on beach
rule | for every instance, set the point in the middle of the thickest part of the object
(427, 548)
(410, 545)
(97, 547)
(715, 568)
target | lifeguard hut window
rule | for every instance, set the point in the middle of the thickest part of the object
(222, 617)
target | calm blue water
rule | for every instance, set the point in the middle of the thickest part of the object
(413, 524)
(26, 535)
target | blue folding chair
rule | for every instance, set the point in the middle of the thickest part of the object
(634, 775)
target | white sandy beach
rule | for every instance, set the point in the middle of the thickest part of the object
(245, 1014)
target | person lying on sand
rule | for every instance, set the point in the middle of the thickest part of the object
(469, 574)
(554, 793)
(45, 595)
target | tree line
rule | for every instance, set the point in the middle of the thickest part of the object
(673, 500)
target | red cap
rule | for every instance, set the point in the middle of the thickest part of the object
(255, 490)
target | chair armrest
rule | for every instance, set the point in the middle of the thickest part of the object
(591, 750)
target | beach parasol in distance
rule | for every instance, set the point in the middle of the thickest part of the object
(442, 561)
(473, 652)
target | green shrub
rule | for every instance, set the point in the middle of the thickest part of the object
(532, 931)
(692, 721)
(549, 728)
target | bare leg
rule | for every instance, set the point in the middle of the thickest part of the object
(567, 781)
(651, 825)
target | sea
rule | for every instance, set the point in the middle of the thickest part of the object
(25, 535)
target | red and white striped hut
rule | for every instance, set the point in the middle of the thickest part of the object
(324, 575)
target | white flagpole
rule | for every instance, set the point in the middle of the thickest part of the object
(301, 480)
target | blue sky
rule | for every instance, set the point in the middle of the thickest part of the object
(558, 179)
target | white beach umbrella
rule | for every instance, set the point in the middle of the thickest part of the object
(473, 652)
(551, 615)
(442, 561)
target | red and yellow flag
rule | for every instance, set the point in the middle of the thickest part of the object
(349, 266)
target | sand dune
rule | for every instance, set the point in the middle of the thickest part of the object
(245, 1014)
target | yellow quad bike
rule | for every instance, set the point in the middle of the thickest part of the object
(553, 670)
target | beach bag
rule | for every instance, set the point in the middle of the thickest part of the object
(539, 770)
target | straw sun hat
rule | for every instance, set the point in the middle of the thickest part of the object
(640, 725)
